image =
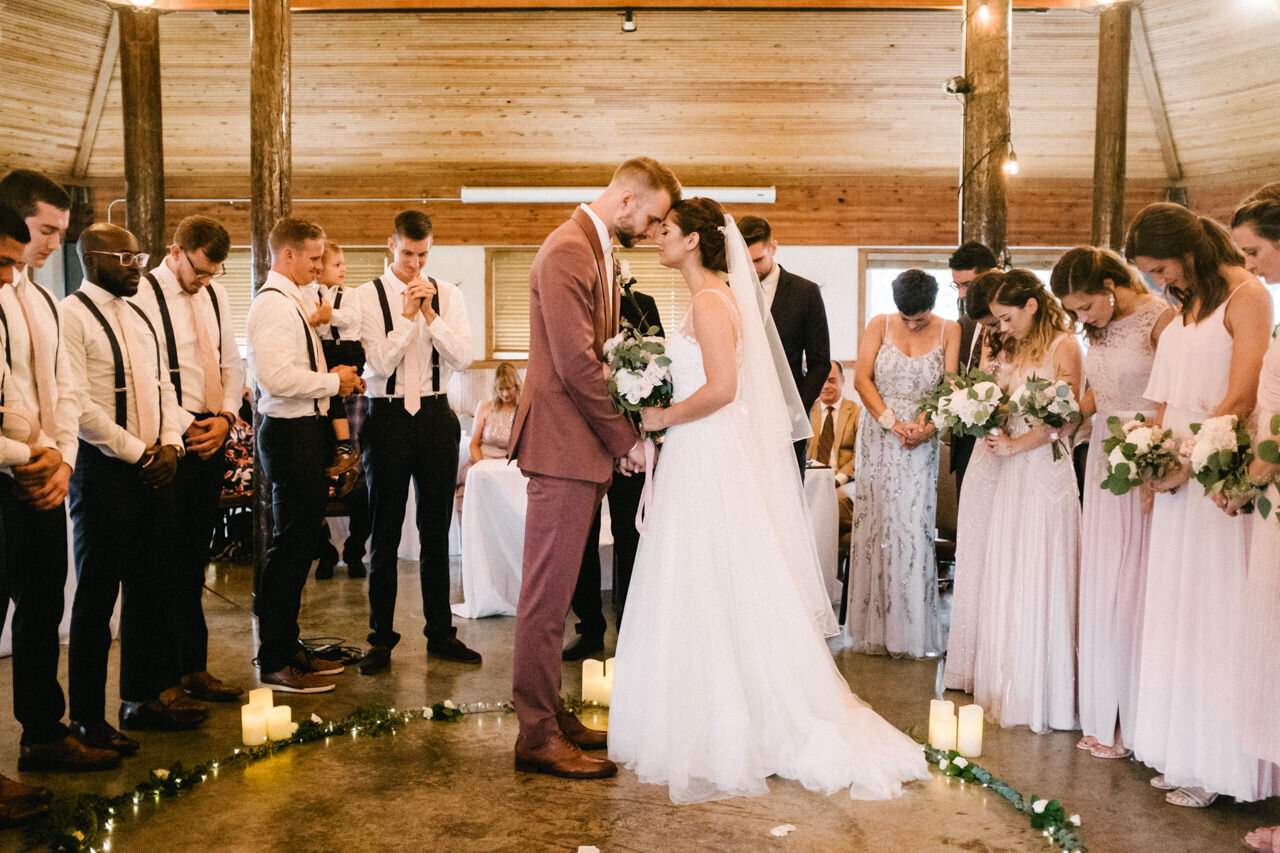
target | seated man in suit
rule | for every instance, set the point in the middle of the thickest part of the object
(835, 430)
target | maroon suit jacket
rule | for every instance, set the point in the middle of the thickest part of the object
(566, 425)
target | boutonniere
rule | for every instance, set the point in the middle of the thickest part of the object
(625, 279)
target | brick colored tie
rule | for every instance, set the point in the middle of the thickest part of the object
(412, 369)
(40, 362)
(209, 362)
(827, 437)
(148, 414)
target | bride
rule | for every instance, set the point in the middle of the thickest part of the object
(723, 675)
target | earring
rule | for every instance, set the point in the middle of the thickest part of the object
(1111, 298)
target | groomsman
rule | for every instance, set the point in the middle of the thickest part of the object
(295, 444)
(192, 313)
(798, 312)
(33, 493)
(415, 335)
(122, 498)
(967, 263)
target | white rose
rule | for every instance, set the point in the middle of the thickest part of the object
(448, 703)
(1201, 453)
(960, 762)
(1039, 806)
(611, 346)
(1141, 438)
(1074, 819)
(1130, 426)
(655, 374)
(1116, 458)
(624, 270)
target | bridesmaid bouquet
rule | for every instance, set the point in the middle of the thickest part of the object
(1269, 451)
(966, 403)
(1220, 458)
(1136, 453)
(1049, 402)
(639, 372)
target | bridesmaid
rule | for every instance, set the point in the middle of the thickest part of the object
(1123, 322)
(1025, 669)
(1256, 230)
(974, 511)
(1215, 344)
(893, 577)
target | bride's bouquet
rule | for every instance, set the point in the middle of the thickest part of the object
(1269, 451)
(1048, 402)
(639, 372)
(1220, 459)
(1137, 452)
(966, 403)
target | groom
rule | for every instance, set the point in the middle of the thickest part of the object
(567, 437)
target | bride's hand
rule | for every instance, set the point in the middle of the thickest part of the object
(652, 419)
(999, 444)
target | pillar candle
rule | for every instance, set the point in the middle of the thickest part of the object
(606, 684)
(261, 696)
(253, 724)
(942, 724)
(969, 735)
(279, 722)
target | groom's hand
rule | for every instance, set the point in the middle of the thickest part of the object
(633, 462)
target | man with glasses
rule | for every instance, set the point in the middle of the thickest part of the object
(32, 495)
(122, 499)
(191, 313)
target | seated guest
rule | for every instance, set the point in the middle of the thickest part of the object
(835, 430)
(122, 499)
(492, 429)
(191, 311)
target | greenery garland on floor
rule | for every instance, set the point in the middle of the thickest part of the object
(85, 823)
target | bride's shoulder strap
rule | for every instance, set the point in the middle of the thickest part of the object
(728, 300)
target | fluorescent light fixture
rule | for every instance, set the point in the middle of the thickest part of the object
(575, 195)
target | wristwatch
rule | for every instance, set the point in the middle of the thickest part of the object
(888, 419)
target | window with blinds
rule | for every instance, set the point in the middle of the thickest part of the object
(363, 264)
(507, 283)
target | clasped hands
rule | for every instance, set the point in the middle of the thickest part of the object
(912, 434)
(44, 480)
(417, 299)
(349, 380)
(633, 461)
(158, 465)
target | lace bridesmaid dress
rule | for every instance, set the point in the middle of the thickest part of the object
(1185, 726)
(1024, 671)
(893, 576)
(1114, 531)
(723, 674)
(497, 432)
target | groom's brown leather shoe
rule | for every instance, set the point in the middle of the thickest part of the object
(579, 734)
(558, 756)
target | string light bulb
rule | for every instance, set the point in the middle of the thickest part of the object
(984, 14)
(1011, 163)
(142, 4)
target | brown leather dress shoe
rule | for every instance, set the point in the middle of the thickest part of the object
(20, 810)
(559, 756)
(12, 789)
(377, 659)
(66, 754)
(575, 731)
(203, 686)
(157, 716)
(102, 735)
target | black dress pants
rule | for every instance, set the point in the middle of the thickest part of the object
(624, 499)
(35, 553)
(197, 490)
(294, 453)
(122, 537)
(398, 447)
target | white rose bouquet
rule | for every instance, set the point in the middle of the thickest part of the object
(966, 403)
(1269, 451)
(1048, 402)
(1137, 452)
(1220, 459)
(639, 372)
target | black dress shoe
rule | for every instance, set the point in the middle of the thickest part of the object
(156, 716)
(452, 649)
(583, 647)
(375, 660)
(355, 567)
(102, 735)
(324, 569)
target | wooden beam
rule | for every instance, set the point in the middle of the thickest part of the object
(984, 208)
(1155, 97)
(270, 191)
(89, 134)
(455, 5)
(143, 127)
(1110, 128)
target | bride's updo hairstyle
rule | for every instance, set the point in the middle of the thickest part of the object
(704, 217)
(1087, 269)
(1018, 288)
(1166, 231)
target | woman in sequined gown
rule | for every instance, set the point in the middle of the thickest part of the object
(893, 578)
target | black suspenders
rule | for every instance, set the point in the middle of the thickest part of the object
(117, 357)
(306, 334)
(171, 344)
(337, 303)
(387, 324)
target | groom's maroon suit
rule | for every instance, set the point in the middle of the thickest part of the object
(565, 438)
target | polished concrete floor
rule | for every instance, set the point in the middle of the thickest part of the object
(452, 787)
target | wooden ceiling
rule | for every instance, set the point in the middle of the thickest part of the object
(430, 101)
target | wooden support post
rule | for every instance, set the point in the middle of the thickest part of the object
(271, 174)
(983, 205)
(1114, 39)
(143, 128)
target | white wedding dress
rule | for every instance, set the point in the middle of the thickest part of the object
(723, 677)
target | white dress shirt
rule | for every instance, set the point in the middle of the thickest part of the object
(278, 362)
(345, 320)
(12, 451)
(769, 284)
(20, 389)
(181, 305)
(449, 332)
(90, 354)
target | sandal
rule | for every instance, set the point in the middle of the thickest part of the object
(1159, 782)
(1101, 751)
(1088, 742)
(1263, 839)
(1192, 798)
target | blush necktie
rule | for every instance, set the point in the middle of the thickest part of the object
(827, 437)
(209, 362)
(148, 411)
(42, 365)
(412, 369)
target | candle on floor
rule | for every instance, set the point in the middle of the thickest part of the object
(261, 696)
(942, 724)
(969, 731)
(597, 681)
(279, 722)
(253, 724)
